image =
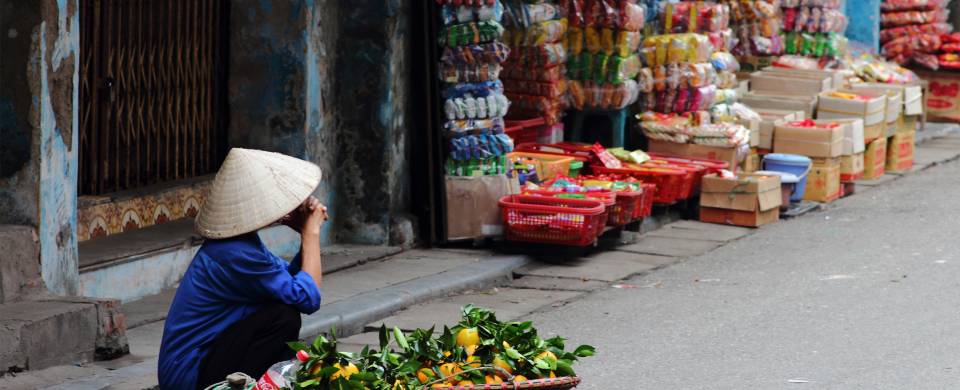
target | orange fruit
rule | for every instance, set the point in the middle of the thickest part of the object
(448, 370)
(467, 337)
(465, 383)
(471, 349)
(552, 375)
(497, 361)
(472, 362)
(438, 385)
(316, 369)
(519, 378)
(425, 375)
(547, 353)
(492, 379)
(345, 372)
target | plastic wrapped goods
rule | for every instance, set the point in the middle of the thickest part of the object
(912, 5)
(464, 13)
(471, 33)
(524, 15)
(469, 73)
(690, 16)
(589, 95)
(892, 19)
(493, 52)
(889, 34)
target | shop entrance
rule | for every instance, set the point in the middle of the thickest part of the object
(151, 110)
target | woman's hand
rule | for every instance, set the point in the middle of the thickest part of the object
(307, 218)
(314, 215)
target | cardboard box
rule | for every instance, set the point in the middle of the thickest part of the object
(909, 123)
(823, 181)
(873, 132)
(752, 162)
(900, 152)
(943, 97)
(875, 159)
(792, 83)
(769, 120)
(836, 77)
(733, 156)
(473, 205)
(753, 126)
(851, 167)
(853, 140)
(818, 142)
(745, 201)
(872, 111)
(912, 100)
(757, 100)
(894, 98)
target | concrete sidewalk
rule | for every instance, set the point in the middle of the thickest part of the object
(416, 289)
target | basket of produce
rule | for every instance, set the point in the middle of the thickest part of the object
(478, 353)
(552, 220)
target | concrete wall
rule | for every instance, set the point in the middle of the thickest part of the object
(38, 103)
(328, 81)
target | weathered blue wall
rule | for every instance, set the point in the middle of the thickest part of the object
(43, 192)
(328, 81)
(864, 27)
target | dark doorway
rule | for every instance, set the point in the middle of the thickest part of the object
(152, 92)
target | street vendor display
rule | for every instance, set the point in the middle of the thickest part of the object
(533, 74)
(916, 31)
(480, 352)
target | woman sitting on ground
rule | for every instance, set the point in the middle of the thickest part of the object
(238, 304)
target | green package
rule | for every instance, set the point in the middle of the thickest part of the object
(600, 67)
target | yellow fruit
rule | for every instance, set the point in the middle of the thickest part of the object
(425, 375)
(552, 375)
(472, 362)
(492, 379)
(497, 361)
(316, 369)
(506, 345)
(345, 372)
(444, 384)
(448, 370)
(519, 378)
(467, 337)
(471, 349)
(446, 353)
(546, 354)
(465, 383)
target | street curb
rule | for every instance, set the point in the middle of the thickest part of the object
(350, 316)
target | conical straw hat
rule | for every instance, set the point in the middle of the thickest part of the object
(253, 189)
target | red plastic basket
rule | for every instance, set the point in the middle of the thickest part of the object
(609, 199)
(646, 207)
(669, 181)
(558, 149)
(626, 209)
(550, 220)
(691, 183)
(520, 134)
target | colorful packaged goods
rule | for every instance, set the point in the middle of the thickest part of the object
(534, 77)
(914, 31)
(756, 26)
(693, 16)
(474, 98)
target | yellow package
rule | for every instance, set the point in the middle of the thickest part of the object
(650, 51)
(607, 40)
(662, 44)
(592, 37)
(598, 183)
(627, 43)
(679, 50)
(575, 41)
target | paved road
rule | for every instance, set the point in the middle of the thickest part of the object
(865, 295)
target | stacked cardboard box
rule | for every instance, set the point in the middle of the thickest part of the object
(747, 200)
(824, 144)
(900, 151)
(875, 159)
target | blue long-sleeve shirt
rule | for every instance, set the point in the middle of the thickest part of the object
(228, 280)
